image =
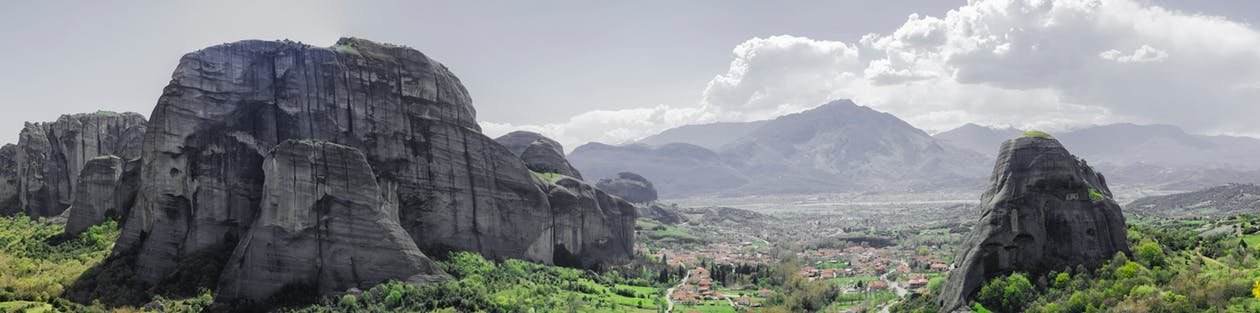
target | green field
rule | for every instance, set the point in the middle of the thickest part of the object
(708, 306)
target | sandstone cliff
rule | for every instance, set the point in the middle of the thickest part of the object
(324, 223)
(592, 228)
(1044, 210)
(50, 155)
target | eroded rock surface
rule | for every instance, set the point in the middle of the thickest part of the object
(325, 223)
(1044, 210)
(50, 155)
(9, 181)
(540, 154)
(592, 228)
(94, 197)
(630, 186)
(228, 105)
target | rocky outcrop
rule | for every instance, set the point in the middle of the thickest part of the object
(324, 222)
(630, 186)
(592, 228)
(50, 155)
(1044, 210)
(9, 204)
(658, 213)
(205, 175)
(94, 194)
(540, 154)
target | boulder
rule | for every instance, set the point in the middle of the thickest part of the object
(1044, 210)
(94, 194)
(658, 213)
(324, 223)
(518, 141)
(592, 228)
(226, 106)
(630, 186)
(540, 154)
(50, 155)
(9, 204)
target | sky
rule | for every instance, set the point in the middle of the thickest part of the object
(613, 72)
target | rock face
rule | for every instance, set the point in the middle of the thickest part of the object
(206, 182)
(630, 186)
(50, 155)
(94, 194)
(9, 204)
(540, 154)
(1044, 210)
(592, 228)
(325, 223)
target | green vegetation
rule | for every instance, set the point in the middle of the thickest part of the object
(346, 48)
(548, 176)
(1037, 133)
(1094, 195)
(658, 234)
(481, 285)
(36, 265)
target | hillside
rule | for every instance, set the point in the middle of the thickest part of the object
(1216, 201)
(838, 146)
(710, 136)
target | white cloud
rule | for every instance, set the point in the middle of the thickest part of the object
(1028, 63)
(1141, 55)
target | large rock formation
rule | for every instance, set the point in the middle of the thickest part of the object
(592, 228)
(324, 223)
(1044, 210)
(630, 186)
(203, 182)
(94, 194)
(9, 204)
(540, 154)
(50, 155)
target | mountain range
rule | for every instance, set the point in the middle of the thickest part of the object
(844, 147)
(836, 147)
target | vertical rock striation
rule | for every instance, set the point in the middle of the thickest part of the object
(226, 106)
(9, 204)
(94, 194)
(592, 228)
(1044, 210)
(50, 155)
(324, 222)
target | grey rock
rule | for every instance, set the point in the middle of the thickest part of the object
(9, 204)
(658, 213)
(540, 154)
(630, 186)
(324, 223)
(50, 155)
(592, 228)
(94, 194)
(1038, 216)
(518, 141)
(226, 106)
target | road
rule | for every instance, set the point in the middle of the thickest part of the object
(901, 292)
(668, 293)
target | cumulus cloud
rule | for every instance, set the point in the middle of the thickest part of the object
(1028, 63)
(1141, 55)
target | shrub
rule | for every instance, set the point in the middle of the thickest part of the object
(1037, 133)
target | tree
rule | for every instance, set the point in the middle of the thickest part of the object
(1150, 253)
